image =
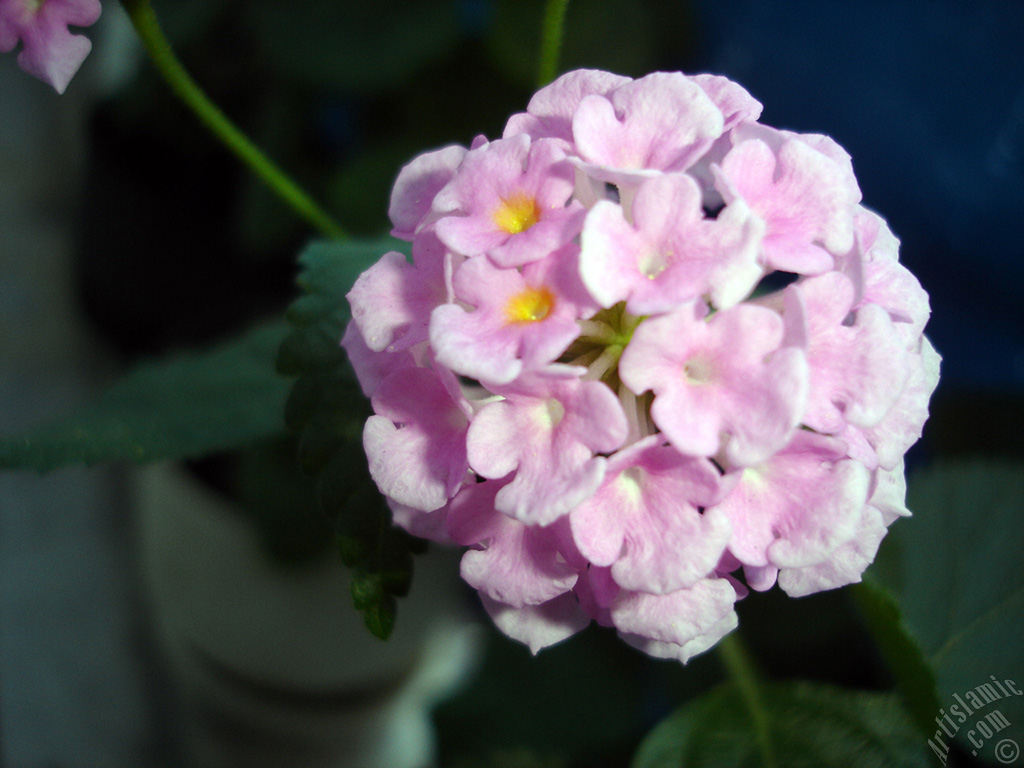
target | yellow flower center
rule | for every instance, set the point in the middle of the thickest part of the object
(516, 213)
(654, 263)
(530, 305)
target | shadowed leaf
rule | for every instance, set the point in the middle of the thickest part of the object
(186, 406)
(957, 574)
(327, 410)
(811, 726)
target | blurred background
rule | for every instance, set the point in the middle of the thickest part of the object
(126, 232)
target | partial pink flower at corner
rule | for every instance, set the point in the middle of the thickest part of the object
(49, 50)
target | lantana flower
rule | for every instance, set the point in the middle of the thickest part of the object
(49, 50)
(592, 377)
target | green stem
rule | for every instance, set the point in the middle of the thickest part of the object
(551, 40)
(744, 673)
(145, 22)
(907, 662)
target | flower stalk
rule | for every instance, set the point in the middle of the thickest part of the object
(743, 672)
(159, 49)
(551, 40)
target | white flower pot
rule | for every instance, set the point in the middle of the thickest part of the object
(272, 665)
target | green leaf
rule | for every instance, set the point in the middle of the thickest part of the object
(914, 677)
(379, 608)
(330, 267)
(308, 349)
(327, 410)
(812, 726)
(957, 574)
(357, 526)
(280, 502)
(185, 406)
(382, 566)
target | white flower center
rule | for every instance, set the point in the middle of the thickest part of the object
(698, 370)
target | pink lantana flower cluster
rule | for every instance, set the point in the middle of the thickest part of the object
(49, 50)
(648, 354)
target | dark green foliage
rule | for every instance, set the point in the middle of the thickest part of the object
(956, 573)
(914, 678)
(186, 406)
(326, 409)
(276, 498)
(809, 726)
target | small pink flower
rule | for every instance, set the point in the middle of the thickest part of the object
(846, 564)
(510, 562)
(722, 385)
(521, 319)
(902, 425)
(371, 367)
(661, 122)
(732, 100)
(644, 521)
(857, 359)
(678, 625)
(416, 442)
(802, 195)
(670, 253)
(49, 50)
(798, 506)
(392, 300)
(538, 626)
(416, 186)
(550, 112)
(547, 430)
(509, 200)
(886, 282)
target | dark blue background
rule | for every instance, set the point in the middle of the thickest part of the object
(928, 98)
